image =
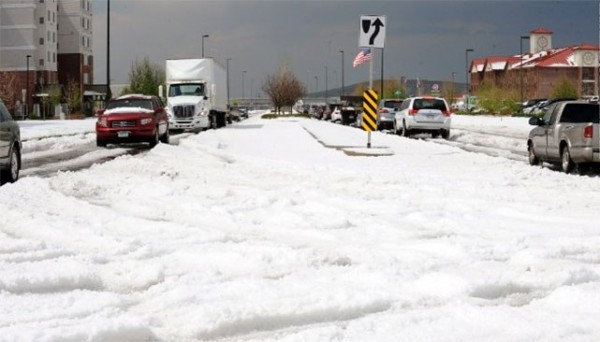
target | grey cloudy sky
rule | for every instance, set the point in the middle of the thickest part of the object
(425, 39)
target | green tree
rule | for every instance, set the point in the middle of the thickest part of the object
(495, 100)
(564, 89)
(73, 96)
(144, 78)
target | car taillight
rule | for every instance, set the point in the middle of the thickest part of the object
(446, 112)
(588, 132)
(413, 111)
(383, 110)
(102, 122)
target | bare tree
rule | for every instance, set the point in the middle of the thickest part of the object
(8, 90)
(283, 88)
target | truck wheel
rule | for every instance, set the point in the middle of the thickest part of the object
(533, 159)
(566, 163)
(213, 121)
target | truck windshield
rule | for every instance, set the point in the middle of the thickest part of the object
(187, 89)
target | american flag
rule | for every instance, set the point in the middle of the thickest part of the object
(363, 55)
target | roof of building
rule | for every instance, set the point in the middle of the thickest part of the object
(541, 30)
(561, 57)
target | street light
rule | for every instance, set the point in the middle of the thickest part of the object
(108, 91)
(521, 69)
(316, 84)
(452, 89)
(243, 72)
(27, 90)
(467, 76)
(342, 52)
(227, 60)
(326, 84)
(203, 36)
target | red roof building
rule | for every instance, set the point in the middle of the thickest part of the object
(540, 69)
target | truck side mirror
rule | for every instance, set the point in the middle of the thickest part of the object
(535, 121)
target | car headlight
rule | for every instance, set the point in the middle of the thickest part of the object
(102, 122)
(146, 121)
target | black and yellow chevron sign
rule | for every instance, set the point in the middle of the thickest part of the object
(369, 116)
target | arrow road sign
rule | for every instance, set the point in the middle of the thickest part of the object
(372, 31)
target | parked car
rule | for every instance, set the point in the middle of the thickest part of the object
(336, 115)
(387, 113)
(531, 105)
(133, 119)
(423, 115)
(567, 135)
(10, 147)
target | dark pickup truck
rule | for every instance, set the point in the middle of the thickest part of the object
(567, 135)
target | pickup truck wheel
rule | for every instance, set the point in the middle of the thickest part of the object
(566, 163)
(533, 159)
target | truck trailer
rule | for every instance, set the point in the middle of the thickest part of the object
(196, 94)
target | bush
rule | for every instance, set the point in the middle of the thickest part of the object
(495, 100)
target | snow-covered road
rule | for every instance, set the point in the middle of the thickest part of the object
(264, 230)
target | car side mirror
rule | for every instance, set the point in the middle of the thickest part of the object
(205, 97)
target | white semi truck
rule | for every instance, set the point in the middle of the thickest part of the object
(196, 94)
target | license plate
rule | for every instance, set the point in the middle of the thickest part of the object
(123, 134)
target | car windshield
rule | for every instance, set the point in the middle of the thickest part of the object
(130, 103)
(187, 89)
(429, 104)
(392, 104)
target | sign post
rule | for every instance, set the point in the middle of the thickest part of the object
(372, 35)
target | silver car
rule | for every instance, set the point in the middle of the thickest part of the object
(387, 112)
(10, 147)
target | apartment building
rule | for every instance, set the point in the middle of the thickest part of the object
(44, 44)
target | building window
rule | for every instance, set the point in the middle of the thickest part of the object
(41, 41)
(41, 1)
(54, 57)
(54, 37)
(41, 20)
(82, 41)
(41, 62)
(49, 15)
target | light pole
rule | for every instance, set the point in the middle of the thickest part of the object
(316, 84)
(203, 36)
(26, 114)
(467, 77)
(342, 52)
(227, 61)
(452, 89)
(108, 92)
(326, 84)
(521, 70)
(243, 72)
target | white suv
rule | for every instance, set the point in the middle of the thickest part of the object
(423, 115)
